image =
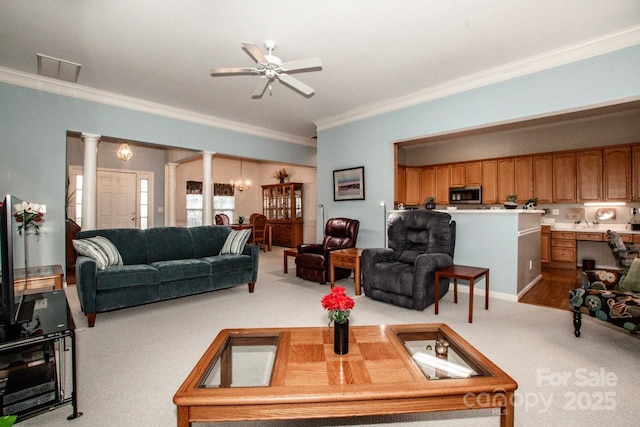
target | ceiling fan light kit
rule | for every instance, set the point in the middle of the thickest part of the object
(269, 67)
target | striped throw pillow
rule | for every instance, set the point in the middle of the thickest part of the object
(234, 245)
(100, 249)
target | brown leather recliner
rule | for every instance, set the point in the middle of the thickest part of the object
(312, 261)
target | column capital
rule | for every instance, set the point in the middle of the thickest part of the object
(208, 153)
(90, 136)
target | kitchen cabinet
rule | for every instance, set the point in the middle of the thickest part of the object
(523, 184)
(490, 182)
(542, 177)
(635, 161)
(401, 187)
(457, 175)
(473, 174)
(589, 176)
(427, 183)
(443, 182)
(564, 177)
(413, 178)
(505, 179)
(616, 173)
(545, 244)
(563, 246)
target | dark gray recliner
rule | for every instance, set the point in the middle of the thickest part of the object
(420, 242)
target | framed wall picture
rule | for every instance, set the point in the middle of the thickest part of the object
(348, 184)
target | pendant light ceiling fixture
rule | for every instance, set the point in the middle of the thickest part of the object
(242, 183)
(124, 152)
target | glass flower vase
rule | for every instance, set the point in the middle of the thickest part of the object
(341, 337)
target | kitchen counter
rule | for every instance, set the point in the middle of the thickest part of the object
(591, 228)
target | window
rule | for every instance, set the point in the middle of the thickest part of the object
(144, 204)
(78, 200)
(224, 202)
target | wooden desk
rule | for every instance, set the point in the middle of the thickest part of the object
(307, 380)
(346, 258)
(293, 252)
(46, 276)
(463, 272)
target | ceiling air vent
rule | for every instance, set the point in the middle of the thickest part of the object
(60, 69)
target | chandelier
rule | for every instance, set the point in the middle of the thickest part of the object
(242, 183)
(124, 152)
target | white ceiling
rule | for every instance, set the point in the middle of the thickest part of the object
(374, 52)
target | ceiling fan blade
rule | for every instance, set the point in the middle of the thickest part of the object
(262, 84)
(227, 71)
(301, 64)
(255, 53)
(295, 84)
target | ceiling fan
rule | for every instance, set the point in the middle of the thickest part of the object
(270, 67)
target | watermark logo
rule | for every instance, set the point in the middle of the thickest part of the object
(589, 391)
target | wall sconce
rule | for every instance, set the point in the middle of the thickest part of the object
(124, 152)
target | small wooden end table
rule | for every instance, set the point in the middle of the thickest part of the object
(293, 252)
(346, 258)
(39, 278)
(463, 272)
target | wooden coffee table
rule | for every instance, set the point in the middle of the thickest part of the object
(293, 373)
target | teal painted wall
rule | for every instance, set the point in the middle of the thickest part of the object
(606, 79)
(33, 128)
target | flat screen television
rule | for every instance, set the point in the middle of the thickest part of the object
(13, 252)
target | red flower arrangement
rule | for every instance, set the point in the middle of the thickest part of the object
(338, 303)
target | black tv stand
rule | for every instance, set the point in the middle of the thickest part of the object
(34, 356)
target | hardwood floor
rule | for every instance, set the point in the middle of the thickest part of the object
(553, 289)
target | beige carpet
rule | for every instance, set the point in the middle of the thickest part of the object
(133, 360)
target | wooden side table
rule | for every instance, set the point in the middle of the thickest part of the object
(286, 254)
(38, 278)
(346, 258)
(463, 272)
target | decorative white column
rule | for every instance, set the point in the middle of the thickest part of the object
(170, 203)
(207, 194)
(90, 181)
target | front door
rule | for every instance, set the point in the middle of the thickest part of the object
(116, 202)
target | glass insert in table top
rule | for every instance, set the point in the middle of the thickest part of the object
(243, 361)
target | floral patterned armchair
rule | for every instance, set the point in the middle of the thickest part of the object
(602, 296)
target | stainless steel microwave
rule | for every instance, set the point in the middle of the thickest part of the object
(465, 195)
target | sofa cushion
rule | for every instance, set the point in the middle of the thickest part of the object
(208, 239)
(169, 243)
(172, 270)
(223, 264)
(99, 249)
(631, 281)
(124, 276)
(235, 242)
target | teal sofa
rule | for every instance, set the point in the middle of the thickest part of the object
(159, 264)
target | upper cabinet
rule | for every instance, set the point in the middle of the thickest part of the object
(505, 179)
(523, 184)
(610, 174)
(636, 172)
(564, 177)
(457, 175)
(401, 184)
(413, 186)
(473, 174)
(616, 174)
(490, 181)
(443, 182)
(589, 176)
(427, 183)
(542, 166)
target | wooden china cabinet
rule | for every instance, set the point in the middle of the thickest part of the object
(282, 205)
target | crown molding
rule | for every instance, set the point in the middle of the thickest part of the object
(627, 37)
(32, 81)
